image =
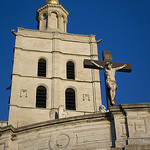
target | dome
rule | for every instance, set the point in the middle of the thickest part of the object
(52, 1)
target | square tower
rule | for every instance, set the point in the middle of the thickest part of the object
(48, 71)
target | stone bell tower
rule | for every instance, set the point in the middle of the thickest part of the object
(49, 80)
(52, 17)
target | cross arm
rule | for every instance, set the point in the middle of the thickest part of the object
(127, 68)
(88, 64)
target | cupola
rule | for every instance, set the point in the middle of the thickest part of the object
(52, 17)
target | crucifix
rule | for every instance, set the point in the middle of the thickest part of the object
(110, 69)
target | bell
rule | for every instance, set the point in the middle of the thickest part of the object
(52, 2)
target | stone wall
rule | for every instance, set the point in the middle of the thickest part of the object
(126, 127)
(57, 49)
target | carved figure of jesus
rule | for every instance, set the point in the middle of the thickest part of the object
(110, 78)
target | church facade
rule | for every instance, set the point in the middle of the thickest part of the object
(55, 102)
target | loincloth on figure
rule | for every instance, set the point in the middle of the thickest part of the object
(111, 84)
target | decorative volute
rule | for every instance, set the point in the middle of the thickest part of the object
(52, 17)
(52, 1)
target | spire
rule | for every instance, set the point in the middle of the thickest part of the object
(52, 1)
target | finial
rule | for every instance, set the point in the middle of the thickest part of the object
(52, 2)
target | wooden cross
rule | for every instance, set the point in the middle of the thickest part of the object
(107, 57)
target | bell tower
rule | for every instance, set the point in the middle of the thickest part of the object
(52, 17)
(49, 80)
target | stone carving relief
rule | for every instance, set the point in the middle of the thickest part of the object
(86, 97)
(121, 131)
(123, 127)
(140, 126)
(62, 141)
(23, 93)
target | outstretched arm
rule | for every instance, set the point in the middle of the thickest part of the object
(97, 65)
(121, 67)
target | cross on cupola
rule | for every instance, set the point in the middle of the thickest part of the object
(109, 68)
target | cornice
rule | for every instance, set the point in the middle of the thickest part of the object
(46, 78)
(56, 51)
(84, 118)
(53, 5)
(55, 35)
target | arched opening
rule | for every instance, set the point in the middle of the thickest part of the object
(70, 70)
(45, 20)
(54, 20)
(41, 94)
(70, 99)
(42, 68)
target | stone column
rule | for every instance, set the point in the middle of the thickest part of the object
(61, 25)
(49, 20)
(120, 127)
(65, 25)
(40, 22)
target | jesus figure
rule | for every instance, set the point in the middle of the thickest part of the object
(110, 78)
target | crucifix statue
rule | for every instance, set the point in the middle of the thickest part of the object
(110, 69)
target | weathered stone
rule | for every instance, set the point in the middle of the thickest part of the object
(124, 127)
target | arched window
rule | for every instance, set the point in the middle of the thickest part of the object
(54, 20)
(70, 70)
(70, 99)
(42, 68)
(41, 94)
(45, 20)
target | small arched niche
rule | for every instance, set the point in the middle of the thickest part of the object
(45, 21)
(54, 20)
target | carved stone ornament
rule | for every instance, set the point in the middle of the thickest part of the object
(86, 97)
(62, 141)
(23, 93)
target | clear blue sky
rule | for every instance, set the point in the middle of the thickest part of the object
(124, 26)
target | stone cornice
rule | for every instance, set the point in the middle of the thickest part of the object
(46, 78)
(56, 35)
(70, 120)
(48, 109)
(53, 5)
(124, 108)
(47, 51)
(135, 107)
